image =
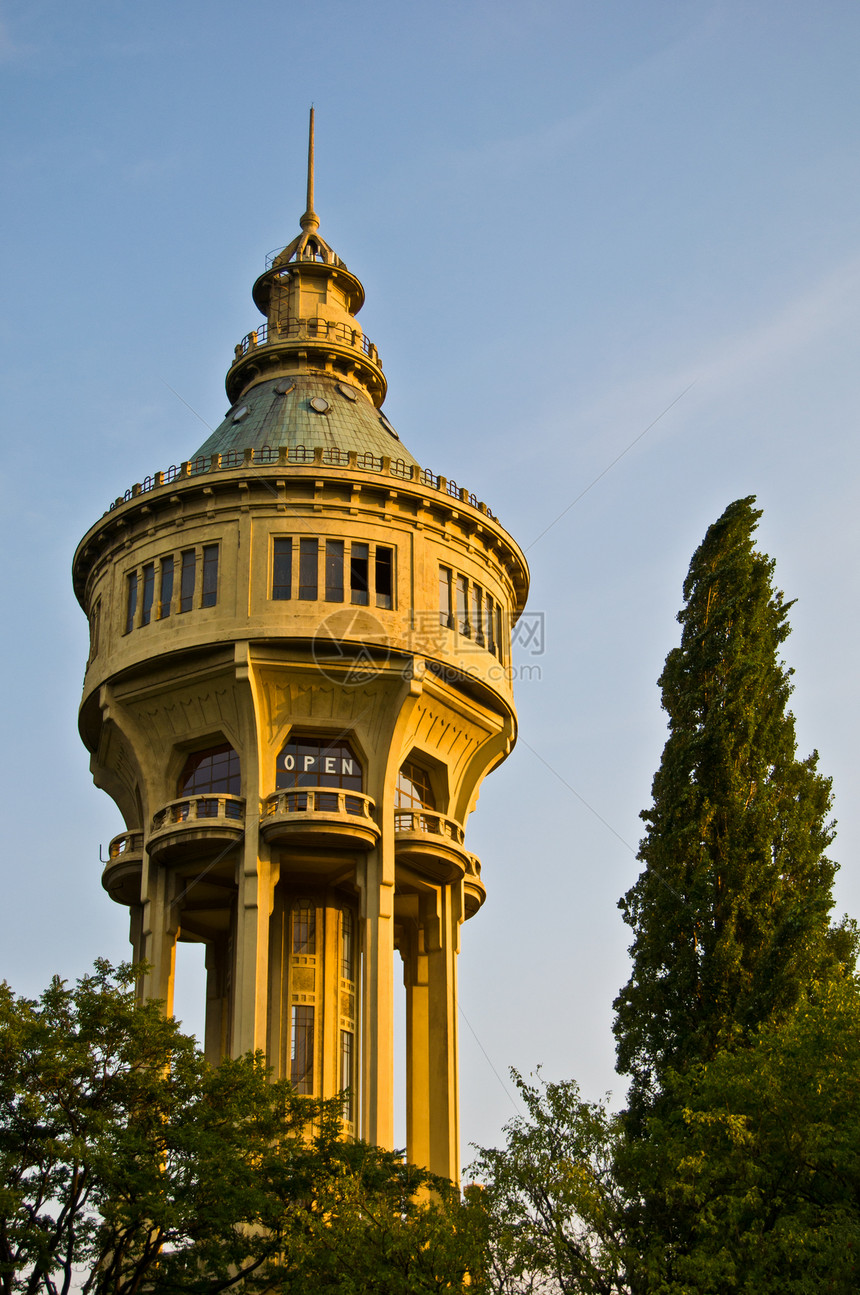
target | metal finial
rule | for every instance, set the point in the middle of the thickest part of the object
(311, 162)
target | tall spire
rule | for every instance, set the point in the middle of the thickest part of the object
(310, 220)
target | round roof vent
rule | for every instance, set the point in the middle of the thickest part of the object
(241, 412)
(348, 392)
(283, 388)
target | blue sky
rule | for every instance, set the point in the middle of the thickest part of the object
(565, 215)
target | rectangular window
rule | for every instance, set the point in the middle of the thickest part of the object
(186, 586)
(308, 553)
(166, 591)
(346, 1084)
(210, 575)
(347, 952)
(358, 572)
(282, 568)
(462, 605)
(302, 1049)
(490, 626)
(383, 574)
(304, 929)
(477, 617)
(148, 593)
(131, 602)
(446, 608)
(95, 617)
(499, 651)
(334, 571)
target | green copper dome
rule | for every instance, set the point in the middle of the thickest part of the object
(310, 410)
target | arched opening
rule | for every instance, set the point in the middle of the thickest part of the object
(215, 770)
(308, 761)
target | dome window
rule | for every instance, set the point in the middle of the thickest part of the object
(319, 405)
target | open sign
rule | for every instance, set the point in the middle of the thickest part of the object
(316, 762)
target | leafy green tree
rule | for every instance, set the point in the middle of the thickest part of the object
(554, 1207)
(760, 1157)
(730, 913)
(128, 1162)
(736, 1167)
(379, 1224)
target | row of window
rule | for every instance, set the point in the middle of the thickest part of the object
(304, 761)
(471, 610)
(305, 568)
(338, 570)
(177, 582)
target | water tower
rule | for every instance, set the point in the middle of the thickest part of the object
(299, 675)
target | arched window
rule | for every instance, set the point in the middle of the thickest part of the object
(413, 789)
(317, 762)
(213, 771)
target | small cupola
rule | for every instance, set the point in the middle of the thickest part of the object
(309, 299)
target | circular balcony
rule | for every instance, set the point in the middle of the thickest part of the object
(196, 826)
(319, 816)
(474, 890)
(431, 843)
(121, 874)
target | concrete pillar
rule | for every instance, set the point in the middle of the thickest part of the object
(377, 996)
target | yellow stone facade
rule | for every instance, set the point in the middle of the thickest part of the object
(299, 676)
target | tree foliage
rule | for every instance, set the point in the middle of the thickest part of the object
(758, 1158)
(736, 1167)
(551, 1196)
(128, 1162)
(730, 913)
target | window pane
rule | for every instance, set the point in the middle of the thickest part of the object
(302, 1050)
(148, 593)
(462, 605)
(413, 789)
(316, 762)
(304, 929)
(308, 550)
(166, 587)
(477, 618)
(334, 571)
(499, 632)
(358, 564)
(446, 611)
(347, 952)
(186, 587)
(210, 575)
(282, 568)
(131, 602)
(214, 770)
(346, 1084)
(490, 627)
(383, 574)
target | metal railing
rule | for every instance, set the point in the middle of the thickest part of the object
(206, 806)
(302, 455)
(429, 822)
(327, 330)
(318, 800)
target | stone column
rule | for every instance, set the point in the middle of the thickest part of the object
(377, 995)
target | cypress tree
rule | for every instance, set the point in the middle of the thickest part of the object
(730, 913)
